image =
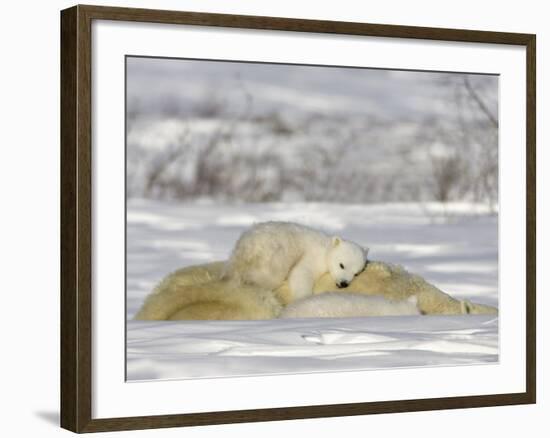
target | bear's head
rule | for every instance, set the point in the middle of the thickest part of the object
(345, 260)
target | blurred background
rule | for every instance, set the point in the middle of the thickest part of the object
(238, 132)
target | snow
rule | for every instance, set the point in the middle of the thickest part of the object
(453, 246)
(290, 132)
(292, 88)
(187, 349)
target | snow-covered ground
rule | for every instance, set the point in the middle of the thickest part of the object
(187, 349)
(254, 132)
(455, 247)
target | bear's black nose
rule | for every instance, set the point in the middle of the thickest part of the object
(342, 284)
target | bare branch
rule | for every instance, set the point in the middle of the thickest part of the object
(479, 101)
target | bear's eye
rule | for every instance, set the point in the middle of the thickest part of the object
(341, 265)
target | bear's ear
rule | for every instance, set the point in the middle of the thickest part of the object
(336, 241)
(465, 307)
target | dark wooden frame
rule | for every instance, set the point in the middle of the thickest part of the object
(76, 218)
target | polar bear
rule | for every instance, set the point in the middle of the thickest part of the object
(269, 253)
(344, 305)
(198, 293)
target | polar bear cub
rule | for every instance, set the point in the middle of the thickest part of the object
(344, 305)
(269, 253)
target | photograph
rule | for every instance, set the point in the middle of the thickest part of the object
(296, 218)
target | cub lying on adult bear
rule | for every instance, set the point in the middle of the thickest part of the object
(276, 263)
(269, 253)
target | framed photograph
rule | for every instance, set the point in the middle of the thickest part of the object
(270, 218)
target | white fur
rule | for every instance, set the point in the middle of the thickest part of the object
(342, 305)
(271, 252)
